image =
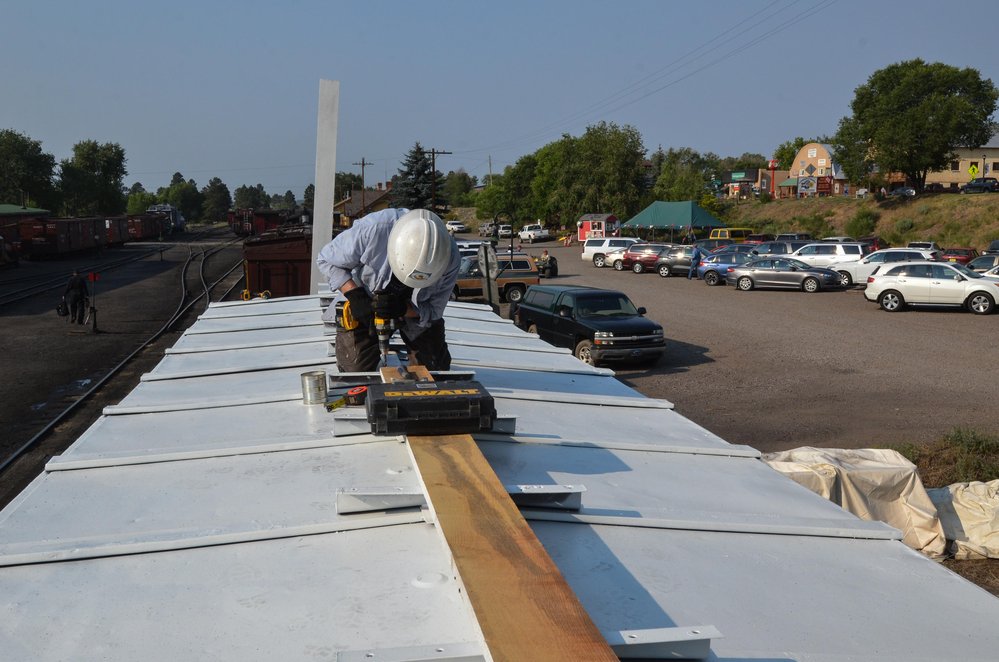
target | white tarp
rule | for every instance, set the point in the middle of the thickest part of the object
(873, 484)
(969, 513)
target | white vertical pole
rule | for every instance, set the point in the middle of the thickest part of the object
(322, 213)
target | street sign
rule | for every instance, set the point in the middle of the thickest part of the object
(973, 170)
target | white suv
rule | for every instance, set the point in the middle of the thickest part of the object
(596, 250)
(932, 283)
(824, 254)
(857, 271)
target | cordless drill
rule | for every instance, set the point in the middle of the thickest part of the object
(384, 328)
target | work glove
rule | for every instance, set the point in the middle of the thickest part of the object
(360, 306)
(389, 306)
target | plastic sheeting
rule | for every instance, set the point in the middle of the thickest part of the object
(873, 484)
(969, 513)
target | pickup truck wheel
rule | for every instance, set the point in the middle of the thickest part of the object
(514, 293)
(584, 351)
(618, 265)
(599, 261)
(637, 268)
(664, 270)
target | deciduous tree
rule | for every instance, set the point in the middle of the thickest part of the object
(26, 172)
(92, 181)
(910, 117)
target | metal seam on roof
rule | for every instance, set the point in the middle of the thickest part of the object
(83, 461)
(154, 377)
(734, 450)
(567, 397)
(75, 551)
(814, 527)
(124, 410)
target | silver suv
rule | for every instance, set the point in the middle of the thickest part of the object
(857, 271)
(596, 250)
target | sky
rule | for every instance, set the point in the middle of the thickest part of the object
(231, 89)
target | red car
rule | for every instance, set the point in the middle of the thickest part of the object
(640, 257)
(959, 255)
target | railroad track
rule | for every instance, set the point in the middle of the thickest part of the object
(205, 268)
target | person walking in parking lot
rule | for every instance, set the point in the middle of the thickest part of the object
(76, 296)
(695, 261)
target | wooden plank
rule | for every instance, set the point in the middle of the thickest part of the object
(524, 606)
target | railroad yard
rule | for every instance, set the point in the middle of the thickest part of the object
(51, 363)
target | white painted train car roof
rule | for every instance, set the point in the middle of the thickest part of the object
(197, 519)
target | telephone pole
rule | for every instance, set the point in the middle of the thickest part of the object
(433, 176)
(362, 164)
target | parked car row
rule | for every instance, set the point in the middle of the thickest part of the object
(921, 273)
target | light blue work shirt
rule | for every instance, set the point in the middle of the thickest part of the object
(360, 253)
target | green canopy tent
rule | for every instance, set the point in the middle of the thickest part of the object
(673, 216)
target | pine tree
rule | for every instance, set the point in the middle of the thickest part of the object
(412, 188)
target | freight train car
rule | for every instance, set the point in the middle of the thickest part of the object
(253, 222)
(145, 227)
(116, 230)
(279, 263)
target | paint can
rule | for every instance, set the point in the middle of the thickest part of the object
(314, 387)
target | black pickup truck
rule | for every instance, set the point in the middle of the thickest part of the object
(599, 326)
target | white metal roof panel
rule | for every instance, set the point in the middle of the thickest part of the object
(774, 597)
(295, 598)
(641, 488)
(69, 514)
(677, 527)
(271, 424)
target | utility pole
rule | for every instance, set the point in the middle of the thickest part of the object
(490, 183)
(362, 164)
(433, 176)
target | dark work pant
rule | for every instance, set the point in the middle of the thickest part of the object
(357, 350)
(77, 309)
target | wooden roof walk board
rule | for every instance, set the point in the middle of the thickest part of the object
(524, 606)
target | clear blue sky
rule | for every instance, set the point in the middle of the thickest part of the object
(230, 89)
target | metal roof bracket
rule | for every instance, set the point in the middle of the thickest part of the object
(686, 643)
(459, 652)
(367, 499)
(562, 497)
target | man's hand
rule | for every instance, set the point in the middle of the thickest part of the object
(389, 306)
(360, 306)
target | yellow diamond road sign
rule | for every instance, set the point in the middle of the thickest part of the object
(973, 170)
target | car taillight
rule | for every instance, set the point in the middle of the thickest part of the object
(730, 270)
(870, 279)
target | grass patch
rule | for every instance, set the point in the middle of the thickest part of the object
(961, 456)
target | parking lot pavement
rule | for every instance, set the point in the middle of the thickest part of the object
(781, 369)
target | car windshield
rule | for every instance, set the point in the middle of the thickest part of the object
(606, 305)
(468, 264)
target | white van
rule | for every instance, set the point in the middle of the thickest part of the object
(596, 250)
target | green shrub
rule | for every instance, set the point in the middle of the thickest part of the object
(863, 223)
(904, 225)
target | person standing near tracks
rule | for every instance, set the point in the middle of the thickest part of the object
(76, 296)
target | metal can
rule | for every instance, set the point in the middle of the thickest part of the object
(314, 387)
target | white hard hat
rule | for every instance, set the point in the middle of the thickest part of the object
(419, 248)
